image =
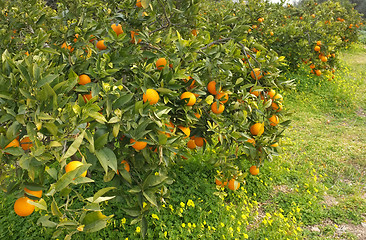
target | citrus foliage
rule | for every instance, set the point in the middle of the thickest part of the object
(100, 85)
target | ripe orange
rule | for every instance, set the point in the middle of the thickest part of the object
(87, 97)
(319, 43)
(256, 73)
(271, 93)
(233, 184)
(252, 141)
(197, 115)
(317, 48)
(100, 45)
(223, 96)
(14, 143)
(271, 33)
(324, 58)
(312, 66)
(37, 194)
(194, 32)
(161, 63)
(186, 130)
(191, 144)
(255, 93)
(313, 15)
(276, 106)
(211, 88)
(138, 145)
(73, 165)
(133, 34)
(318, 72)
(76, 37)
(274, 120)
(151, 95)
(27, 53)
(66, 46)
(199, 141)
(26, 143)
(22, 207)
(275, 145)
(217, 110)
(138, 3)
(219, 183)
(260, 20)
(254, 170)
(257, 129)
(126, 165)
(117, 28)
(84, 79)
(190, 96)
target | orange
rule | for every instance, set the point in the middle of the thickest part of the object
(26, 143)
(138, 145)
(197, 115)
(275, 145)
(37, 194)
(138, 3)
(271, 33)
(318, 72)
(317, 48)
(313, 15)
(87, 97)
(319, 43)
(312, 66)
(217, 110)
(271, 93)
(256, 73)
(252, 141)
(73, 165)
(199, 141)
(233, 184)
(76, 37)
(84, 79)
(100, 45)
(14, 143)
(22, 207)
(27, 53)
(117, 28)
(161, 63)
(170, 126)
(254, 170)
(190, 96)
(255, 93)
(257, 129)
(219, 183)
(126, 165)
(194, 32)
(274, 120)
(276, 106)
(133, 34)
(301, 18)
(324, 58)
(223, 96)
(211, 88)
(260, 20)
(151, 95)
(186, 130)
(191, 144)
(66, 46)
(278, 97)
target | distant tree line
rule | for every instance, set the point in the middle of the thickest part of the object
(360, 5)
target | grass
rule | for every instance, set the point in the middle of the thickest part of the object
(312, 191)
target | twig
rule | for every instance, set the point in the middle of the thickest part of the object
(166, 17)
(216, 41)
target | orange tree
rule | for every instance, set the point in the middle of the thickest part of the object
(108, 93)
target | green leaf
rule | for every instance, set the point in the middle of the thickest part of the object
(120, 102)
(107, 158)
(153, 180)
(45, 222)
(74, 146)
(101, 141)
(145, 3)
(52, 128)
(101, 192)
(97, 116)
(55, 210)
(68, 177)
(48, 79)
(41, 204)
(49, 50)
(133, 212)
(150, 196)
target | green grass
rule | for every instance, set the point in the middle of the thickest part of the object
(319, 181)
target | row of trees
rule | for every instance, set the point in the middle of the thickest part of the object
(119, 91)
